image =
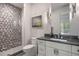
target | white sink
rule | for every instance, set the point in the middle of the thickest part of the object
(58, 40)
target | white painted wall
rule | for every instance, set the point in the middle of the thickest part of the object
(27, 24)
(40, 9)
(26, 30)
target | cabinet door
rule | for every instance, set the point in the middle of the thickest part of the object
(49, 51)
(41, 50)
(75, 49)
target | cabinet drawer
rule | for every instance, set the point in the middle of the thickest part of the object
(59, 46)
(73, 54)
(75, 49)
(41, 42)
(63, 53)
(56, 52)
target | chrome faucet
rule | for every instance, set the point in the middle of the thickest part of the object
(59, 35)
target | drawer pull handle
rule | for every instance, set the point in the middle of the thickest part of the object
(56, 52)
(77, 50)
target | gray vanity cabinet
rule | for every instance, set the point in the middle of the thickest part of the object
(57, 49)
(48, 48)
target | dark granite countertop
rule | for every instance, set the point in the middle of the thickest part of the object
(70, 41)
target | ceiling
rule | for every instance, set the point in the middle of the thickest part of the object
(54, 5)
(20, 5)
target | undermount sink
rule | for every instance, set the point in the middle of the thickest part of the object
(62, 40)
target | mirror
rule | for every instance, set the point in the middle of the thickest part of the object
(64, 23)
(60, 18)
(66, 19)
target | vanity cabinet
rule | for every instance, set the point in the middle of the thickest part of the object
(48, 48)
(57, 49)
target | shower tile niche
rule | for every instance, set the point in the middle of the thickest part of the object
(10, 27)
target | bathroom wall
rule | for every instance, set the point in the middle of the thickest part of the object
(40, 9)
(26, 31)
(10, 27)
(26, 24)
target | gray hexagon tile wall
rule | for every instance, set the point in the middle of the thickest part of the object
(10, 27)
